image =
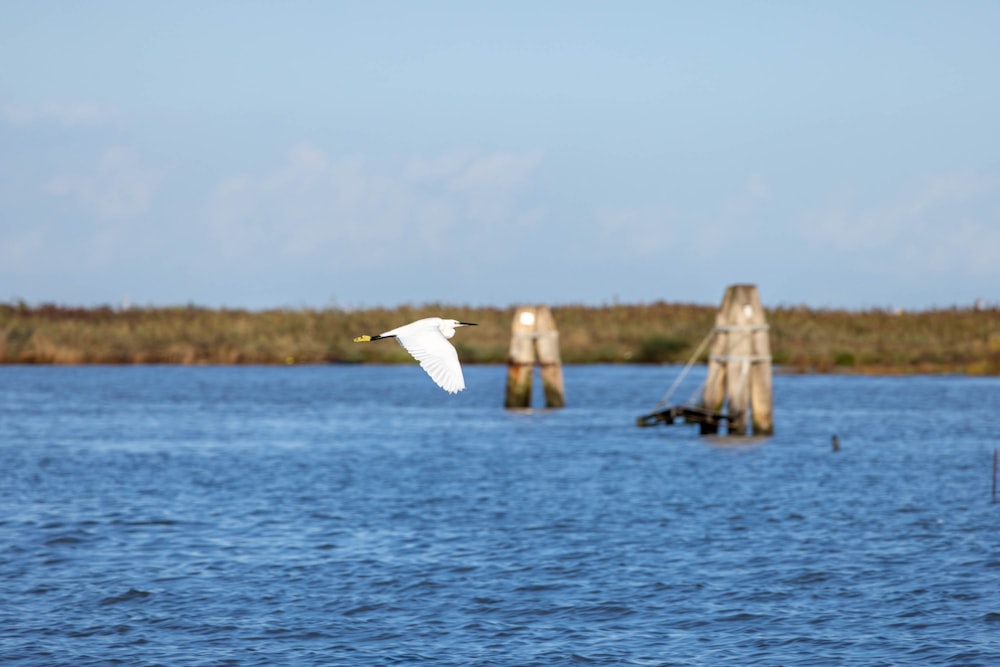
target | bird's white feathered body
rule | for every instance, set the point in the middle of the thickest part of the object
(427, 341)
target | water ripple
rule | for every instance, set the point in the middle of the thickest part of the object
(273, 516)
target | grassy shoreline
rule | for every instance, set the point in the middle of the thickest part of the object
(802, 339)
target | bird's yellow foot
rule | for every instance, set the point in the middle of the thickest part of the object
(362, 339)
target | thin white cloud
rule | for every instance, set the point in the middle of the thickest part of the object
(21, 250)
(363, 214)
(756, 188)
(637, 232)
(499, 172)
(971, 247)
(118, 188)
(110, 209)
(650, 231)
(65, 114)
(948, 224)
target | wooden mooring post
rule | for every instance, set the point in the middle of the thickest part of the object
(534, 340)
(739, 364)
(738, 383)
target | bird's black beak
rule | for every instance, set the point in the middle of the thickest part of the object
(467, 324)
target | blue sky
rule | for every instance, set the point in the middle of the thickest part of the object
(356, 154)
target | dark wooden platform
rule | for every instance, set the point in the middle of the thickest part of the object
(707, 419)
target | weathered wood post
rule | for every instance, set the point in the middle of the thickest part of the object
(521, 362)
(534, 339)
(739, 364)
(761, 390)
(714, 396)
(549, 360)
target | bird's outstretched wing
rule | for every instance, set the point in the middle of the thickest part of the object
(438, 358)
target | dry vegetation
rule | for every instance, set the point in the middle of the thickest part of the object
(802, 339)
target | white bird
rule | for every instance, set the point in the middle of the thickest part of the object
(427, 341)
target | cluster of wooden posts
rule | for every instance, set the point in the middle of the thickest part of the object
(739, 365)
(534, 340)
(737, 389)
(738, 384)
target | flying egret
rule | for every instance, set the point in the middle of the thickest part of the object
(427, 341)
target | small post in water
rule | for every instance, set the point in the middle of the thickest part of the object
(994, 474)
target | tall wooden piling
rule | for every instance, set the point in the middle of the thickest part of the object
(521, 361)
(739, 364)
(534, 341)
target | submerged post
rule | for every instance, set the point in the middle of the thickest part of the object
(739, 364)
(534, 339)
(994, 475)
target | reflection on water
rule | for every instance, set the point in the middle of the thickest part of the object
(734, 441)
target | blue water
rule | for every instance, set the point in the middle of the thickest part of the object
(358, 515)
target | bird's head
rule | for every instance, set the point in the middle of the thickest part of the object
(448, 327)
